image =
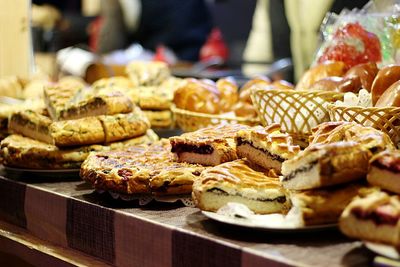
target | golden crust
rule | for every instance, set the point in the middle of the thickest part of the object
(57, 96)
(139, 170)
(236, 178)
(159, 119)
(147, 73)
(384, 170)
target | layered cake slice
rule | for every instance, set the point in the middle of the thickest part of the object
(267, 147)
(235, 181)
(208, 146)
(373, 217)
(384, 171)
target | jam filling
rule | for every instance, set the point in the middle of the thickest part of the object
(378, 218)
(215, 190)
(204, 149)
(392, 165)
(241, 141)
(299, 170)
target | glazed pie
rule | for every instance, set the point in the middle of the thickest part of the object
(323, 165)
(140, 170)
(208, 146)
(23, 152)
(373, 217)
(384, 171)
(267, 147)
(322, 206)
(235, 181)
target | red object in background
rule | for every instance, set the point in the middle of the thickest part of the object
(353, 45)
(165, 54)
(94, 32)
(214, 47)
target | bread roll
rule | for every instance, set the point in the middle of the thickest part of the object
(385, 78)
(326, 69)
(259, 82)
(244, 109)
(365, 73)
(390, 97)
(197, 96)
(338, 84)
(282, 84)
(229, 95)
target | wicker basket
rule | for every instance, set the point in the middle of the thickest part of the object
(296, 111)
(190, 121)
(386, 119)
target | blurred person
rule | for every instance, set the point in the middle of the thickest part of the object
(183, 26)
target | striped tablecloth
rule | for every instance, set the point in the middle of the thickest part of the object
(70, 214)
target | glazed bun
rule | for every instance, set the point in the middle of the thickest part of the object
(321, 71)
(385, 78)
(258, 82)
(244, 109)
(366, 73)
(391, 97)
(197, 96)
(228, 91)
(338, 84)
(282, 84)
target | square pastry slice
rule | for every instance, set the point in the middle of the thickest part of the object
(374, 217)
(235, 181)
(208, 146)
(384, 171)
(267, 147)
(140, 170)
(322, 165)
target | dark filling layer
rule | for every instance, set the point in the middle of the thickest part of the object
(203, 149)
(75, 111)
(376, 217)
(241, 141)
(389, 164)
(299, 170)
(219, 191)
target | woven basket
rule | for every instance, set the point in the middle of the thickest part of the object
(190, 121)
(296, 111)
(386, 119)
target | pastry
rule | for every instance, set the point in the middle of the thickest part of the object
(322, 206)
(338, 84)
(23, 152)
(245, 109)
(57, 96)
(159, 119)
(140, 170)
(258, 82)
(318, 72)
(322, 165)
(282, 85)
(391, 96)
(267, 147)
(198, 96)
(384, 171)
(208, 146)
(151, 98)
(365, 73)
(373, 217)
(235, 181)
(228, 90)
(115, 82)
(387, 76)
(143, 73)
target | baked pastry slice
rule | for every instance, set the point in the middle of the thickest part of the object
(147, 73)
(56, 97)
(384, 171)
(140, 170)
(235, 181)
(322, 206)
(323, 165)
(373, 217)
(159, 119)
(24, 152)
(208, 146)
(267, 147)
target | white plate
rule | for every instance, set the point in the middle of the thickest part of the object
(383, 249)
(271, 222)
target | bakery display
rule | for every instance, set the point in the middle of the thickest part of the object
(209, 146)
(322, 206)
(23, 152)
(235, 181)
(140, 170)
(57, 96)
(383, 80)
(147, 73)
(384, 171)
(267, 146)
(373, 217)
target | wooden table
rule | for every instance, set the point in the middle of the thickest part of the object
(69, 214)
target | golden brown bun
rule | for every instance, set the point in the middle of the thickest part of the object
(338, 84)
(282, 84)
(244, 109)
(259, 82)
(229, 95)
(385, 78)
(197, 96)
(391, 97)
(365, 73)
(326, 69)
